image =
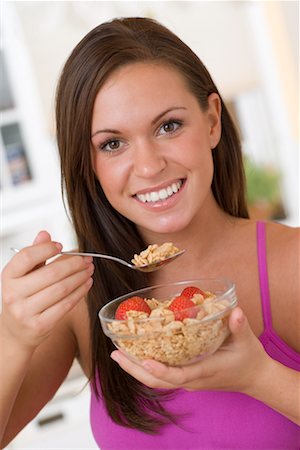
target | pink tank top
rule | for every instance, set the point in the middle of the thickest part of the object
(212, 419)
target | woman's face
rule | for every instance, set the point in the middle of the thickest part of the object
(152, 147)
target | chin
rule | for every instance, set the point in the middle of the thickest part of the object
(166, 226)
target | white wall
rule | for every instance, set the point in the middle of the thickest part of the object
(217, 31)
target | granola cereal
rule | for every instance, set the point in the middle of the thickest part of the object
(174, 342)
(154, 253)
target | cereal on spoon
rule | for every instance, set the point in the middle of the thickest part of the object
(155, 253)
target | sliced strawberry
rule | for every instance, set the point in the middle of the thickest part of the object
(190, 291)
(131, 304)
(181, 308)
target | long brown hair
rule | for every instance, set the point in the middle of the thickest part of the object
(97, 225)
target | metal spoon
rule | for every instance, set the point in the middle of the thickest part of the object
(143, 268)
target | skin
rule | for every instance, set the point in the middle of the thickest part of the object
(44, 322)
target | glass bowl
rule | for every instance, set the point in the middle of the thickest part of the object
(170, 335)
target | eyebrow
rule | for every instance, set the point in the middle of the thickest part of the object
(153, 122)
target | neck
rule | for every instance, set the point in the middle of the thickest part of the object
(207, 237)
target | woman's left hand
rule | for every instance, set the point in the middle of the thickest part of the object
(236, 364)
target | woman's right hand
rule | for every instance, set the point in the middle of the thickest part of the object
(36, 295)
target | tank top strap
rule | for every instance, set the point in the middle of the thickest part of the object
(263, 273)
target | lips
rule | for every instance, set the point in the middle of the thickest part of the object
(153, 196)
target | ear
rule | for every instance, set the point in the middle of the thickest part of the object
(214, 119)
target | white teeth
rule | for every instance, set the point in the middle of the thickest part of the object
(143, 198)
(154, 196)
(174, 188)
(162, 194)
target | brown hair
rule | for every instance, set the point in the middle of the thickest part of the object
(97, 225)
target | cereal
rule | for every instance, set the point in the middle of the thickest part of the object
(174, 342)
(154, 253)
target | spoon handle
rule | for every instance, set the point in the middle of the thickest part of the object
(98, 255)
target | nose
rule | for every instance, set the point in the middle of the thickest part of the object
(148, 159)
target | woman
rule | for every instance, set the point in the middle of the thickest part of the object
(138, 113)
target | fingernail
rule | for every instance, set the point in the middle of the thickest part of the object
(58, 245)
(90, 269)
(114, 356)
(89, 282)
(88, 259)
(240, 317)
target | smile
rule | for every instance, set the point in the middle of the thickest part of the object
(162, 194)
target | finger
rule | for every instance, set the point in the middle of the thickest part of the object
(29, 257)
(177, 376)
(57, 292)
(238, 325)
(138, 372)
(52, 273)
(51, 316)
(201, 370)
(42, 236)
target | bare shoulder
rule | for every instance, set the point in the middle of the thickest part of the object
(283, 245)
(281, 231)
(283, 251)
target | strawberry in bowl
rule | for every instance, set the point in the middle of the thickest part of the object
(183, 308)
(131, 304)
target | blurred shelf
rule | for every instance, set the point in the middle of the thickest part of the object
(64, 422)
(28, 158)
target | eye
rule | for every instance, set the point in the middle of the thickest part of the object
(110, 145)
(170, 126)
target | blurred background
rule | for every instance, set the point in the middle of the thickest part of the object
(251, 49)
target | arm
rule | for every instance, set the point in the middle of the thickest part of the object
(278, 387)
(22, 371)
(35, 300)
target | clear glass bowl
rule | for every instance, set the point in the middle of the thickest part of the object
(166, 337)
